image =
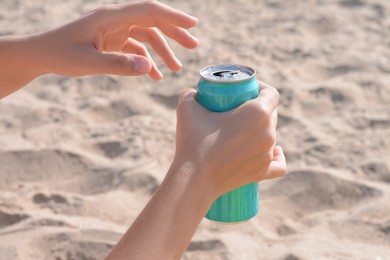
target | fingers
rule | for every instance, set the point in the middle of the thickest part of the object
(120, 41)
(133, 46)
(156, 14)
(187, 95)
(265, 103)
(278, 166)
(115, 41)
(148, 14)
(119, 22)
(268, 97)
(158, 44)
(189, 104)
(181, 36)
(262, 107)
(187, 99)
(94, 62)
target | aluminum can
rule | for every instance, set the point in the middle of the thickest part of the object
(221, 88)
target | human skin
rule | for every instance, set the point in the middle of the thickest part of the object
(215, 152)
(105, 41)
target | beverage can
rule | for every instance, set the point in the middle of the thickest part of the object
(221, 88)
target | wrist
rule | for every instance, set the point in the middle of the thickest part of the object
(18, 63)
(34, 52)
(192, 183)
(23, 55)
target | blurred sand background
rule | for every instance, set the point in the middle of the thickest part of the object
(80, 157)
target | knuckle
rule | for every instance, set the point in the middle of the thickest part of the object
(182, 98)
(267, 139)
(152, 34)
(138, 47)
(102, 9)
(183, 107)
(262, 116)
(185, 96)
(267, 159)
(262, 110)
(141, 49)
(120, 63)
(265, 119)
(151, 6)
(257, 109)
(275, 92)
(270, 138)
(151, 3)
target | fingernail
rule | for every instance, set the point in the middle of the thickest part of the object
(195, 18)
(142, 65)
(178, 62)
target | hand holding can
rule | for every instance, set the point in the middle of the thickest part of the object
(230, 149)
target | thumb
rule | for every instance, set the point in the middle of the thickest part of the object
(188, 104)
(187, 95)
(187, 100)
(118, 64)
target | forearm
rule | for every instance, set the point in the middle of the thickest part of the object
(164, 228)
(18, 63)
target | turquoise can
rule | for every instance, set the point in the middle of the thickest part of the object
(221, 88)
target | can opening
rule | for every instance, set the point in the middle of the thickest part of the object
(226, 73)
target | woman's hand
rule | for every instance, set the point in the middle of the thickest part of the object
(230, 149)
(109, 40)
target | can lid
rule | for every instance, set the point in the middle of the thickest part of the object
(227, 73)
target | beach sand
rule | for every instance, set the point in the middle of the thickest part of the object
(80, 157)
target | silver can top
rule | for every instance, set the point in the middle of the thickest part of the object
(227, 73)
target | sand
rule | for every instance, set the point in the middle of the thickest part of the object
(80, 157)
